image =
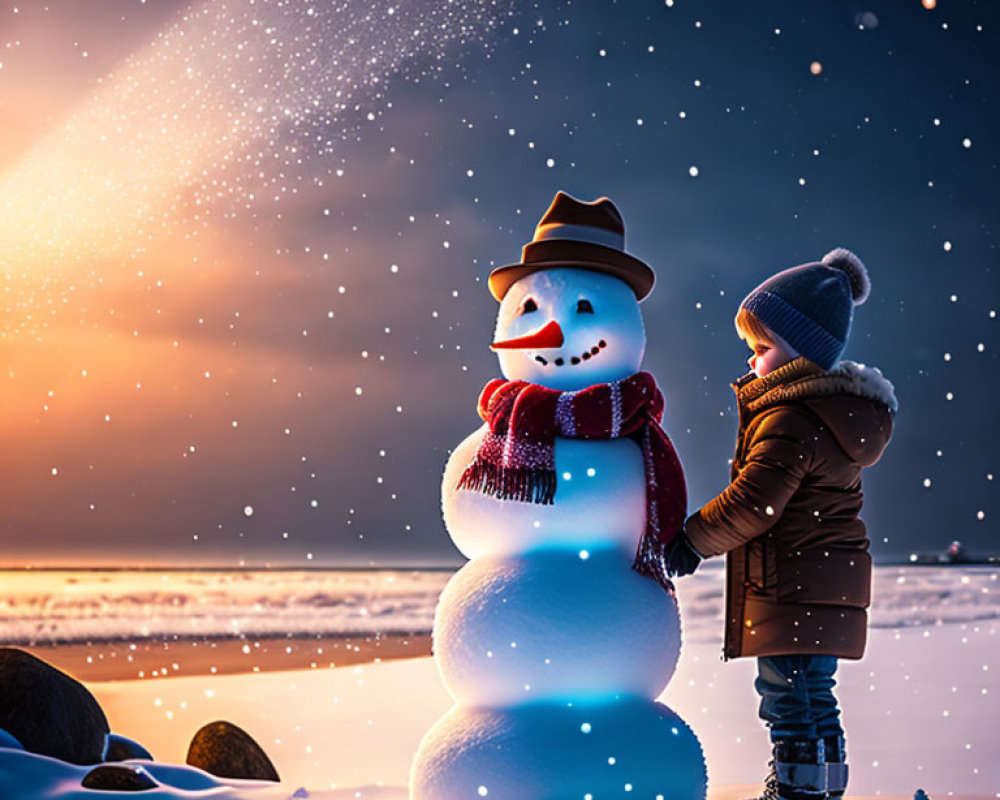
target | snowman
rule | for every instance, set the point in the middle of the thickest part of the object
(553, 639)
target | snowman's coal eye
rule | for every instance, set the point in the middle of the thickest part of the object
(584, 307)
(528, 306)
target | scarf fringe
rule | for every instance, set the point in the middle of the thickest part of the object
(523, 484)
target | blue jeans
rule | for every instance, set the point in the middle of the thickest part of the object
(796, 696)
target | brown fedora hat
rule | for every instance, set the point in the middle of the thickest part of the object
(573, 233)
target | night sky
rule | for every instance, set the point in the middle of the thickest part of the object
(243, 248)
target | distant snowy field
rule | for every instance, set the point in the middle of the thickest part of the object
(921, 708)
(43, 607)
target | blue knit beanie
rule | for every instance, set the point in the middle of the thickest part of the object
(811, 306)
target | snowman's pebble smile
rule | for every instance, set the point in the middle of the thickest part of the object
(575, 359)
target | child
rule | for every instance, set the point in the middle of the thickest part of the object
(798, 572)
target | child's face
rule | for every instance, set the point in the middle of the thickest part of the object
(768, 354)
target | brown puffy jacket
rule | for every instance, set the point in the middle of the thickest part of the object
(798, 571)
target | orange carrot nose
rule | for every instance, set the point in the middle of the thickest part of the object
(550, 335)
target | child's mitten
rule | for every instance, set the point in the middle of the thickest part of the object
(681, 557)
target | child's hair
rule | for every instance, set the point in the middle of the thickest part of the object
(748, 325)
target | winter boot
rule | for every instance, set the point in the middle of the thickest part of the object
(836, 766)
(797, 771)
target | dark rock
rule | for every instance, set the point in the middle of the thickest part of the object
(119, 778)
(49, 712)
(121, 748)
(227, 751)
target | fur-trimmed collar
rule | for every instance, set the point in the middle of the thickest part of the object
(801, 378)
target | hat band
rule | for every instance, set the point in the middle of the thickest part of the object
(580, 233)
(804, 334)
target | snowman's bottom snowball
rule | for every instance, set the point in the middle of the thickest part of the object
(631, 748)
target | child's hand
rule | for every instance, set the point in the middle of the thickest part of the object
(680, 557)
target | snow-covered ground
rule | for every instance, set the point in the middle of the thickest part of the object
(920, 708)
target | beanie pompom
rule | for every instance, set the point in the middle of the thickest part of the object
(848, 263)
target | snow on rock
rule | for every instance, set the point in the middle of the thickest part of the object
(28, 776)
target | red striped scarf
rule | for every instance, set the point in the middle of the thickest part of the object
(516, 459)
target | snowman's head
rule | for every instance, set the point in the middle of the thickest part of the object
(567, 329)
